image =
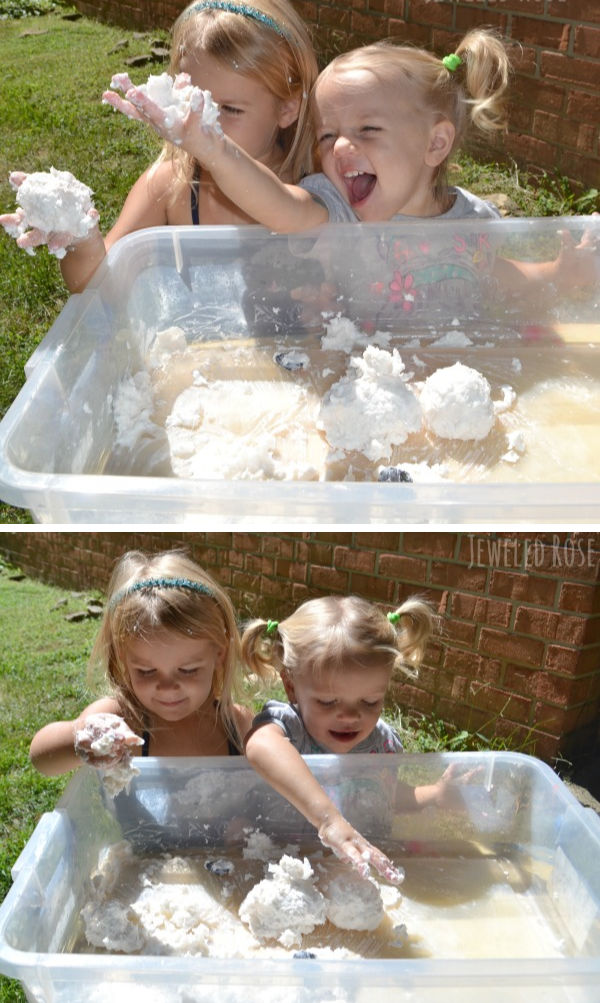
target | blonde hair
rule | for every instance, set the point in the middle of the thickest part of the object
(474, 92)
(334, 631)
(134, 610)
(284, 63)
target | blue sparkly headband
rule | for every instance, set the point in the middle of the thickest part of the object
(239, 8)
(160, 583)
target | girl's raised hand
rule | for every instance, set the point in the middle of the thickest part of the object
(104, 740)
(172, 106)
(351, 848)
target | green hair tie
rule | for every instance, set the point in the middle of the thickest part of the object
(393, 617)
(452, 62)
(272, 626)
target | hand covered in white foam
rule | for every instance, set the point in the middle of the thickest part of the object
(104, 740)
(352, 848)
(172, 106)
(54, 209)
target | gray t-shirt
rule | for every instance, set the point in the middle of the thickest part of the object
(287, 716)
(465, 205)
(406, 273)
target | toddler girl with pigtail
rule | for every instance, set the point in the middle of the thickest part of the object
(336, 657)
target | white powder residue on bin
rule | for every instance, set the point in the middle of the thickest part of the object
(107, 735)
(457, 404)
(164, 346)
(285, 905)
(373, 410)
(133, 408)
(54, 202)
(210, 794)
(176, 96)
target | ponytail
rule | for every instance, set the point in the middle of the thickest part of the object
(414, 622)
(484, 73)
(259, 650)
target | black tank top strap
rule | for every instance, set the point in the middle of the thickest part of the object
(146, 745)
(195, 196)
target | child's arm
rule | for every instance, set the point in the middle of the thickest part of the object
(445, 793)
(145, 206)
(248, 183)
(254, 187)
(279, 762)
(53, 747)
(576, 266)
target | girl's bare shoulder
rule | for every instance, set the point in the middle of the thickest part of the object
(149, 202)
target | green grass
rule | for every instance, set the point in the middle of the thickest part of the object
(42, 678)
(531, 193)
(26, 8)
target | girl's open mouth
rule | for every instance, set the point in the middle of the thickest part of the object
(344, 736)
(359, 185)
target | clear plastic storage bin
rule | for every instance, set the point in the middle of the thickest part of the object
(511, 881)
(258, 328)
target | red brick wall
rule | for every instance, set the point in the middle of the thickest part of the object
(555, 107)
(520, 652)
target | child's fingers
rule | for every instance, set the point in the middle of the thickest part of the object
(350, 847)
(16, 178)
(122, 82)
(132, 740)
(32, 238)
(148, 108)
(384, 866)
(122, 105)
(13, 222)
(181, 81)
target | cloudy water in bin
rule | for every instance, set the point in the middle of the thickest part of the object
(482, 884)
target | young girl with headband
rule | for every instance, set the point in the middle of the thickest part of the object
(337, 657)
(169, 649)
(258, 62)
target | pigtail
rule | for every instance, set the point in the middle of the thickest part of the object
(415, 623)
(259, 649)
(485, 73)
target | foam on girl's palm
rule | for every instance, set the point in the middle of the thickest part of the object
(174, 97)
